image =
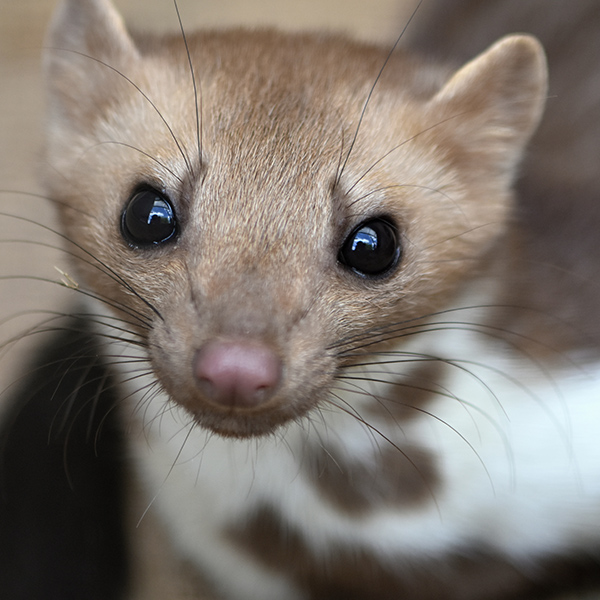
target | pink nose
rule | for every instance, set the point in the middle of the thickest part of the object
(237, 373)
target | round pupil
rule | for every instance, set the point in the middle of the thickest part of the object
(148, 219)
(371, 249)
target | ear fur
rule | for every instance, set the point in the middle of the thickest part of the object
(87, 44)
(495, 102)
(90, 26)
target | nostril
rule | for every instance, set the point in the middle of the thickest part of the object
(237, 373)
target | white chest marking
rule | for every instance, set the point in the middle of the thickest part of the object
(517, 452)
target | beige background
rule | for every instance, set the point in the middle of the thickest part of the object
(22, 26)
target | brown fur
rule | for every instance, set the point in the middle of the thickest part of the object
(264, 206)
(552, 267)
(411, 392)
(358, 574)
(403, 477)
(255, 115)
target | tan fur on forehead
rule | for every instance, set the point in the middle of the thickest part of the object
(269, 174)
(234, 108)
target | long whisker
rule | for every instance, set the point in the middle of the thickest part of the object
(43, 197)
(140, 151)
(370, 95)
(391, 331)
(140, 317)
(352, 412)
(412, 138)
(106, 269)
(143, 94)
(191, 427)
(52, 325)
(385, 188)
(198, 105)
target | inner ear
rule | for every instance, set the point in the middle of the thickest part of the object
(86, 48)
(495, 102)
(91, 27)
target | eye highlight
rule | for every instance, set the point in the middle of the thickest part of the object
(148, 219)
(372, 249)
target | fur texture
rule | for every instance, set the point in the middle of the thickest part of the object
(403, 441)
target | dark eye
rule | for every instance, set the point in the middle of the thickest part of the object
(148, 219)
(372, 249)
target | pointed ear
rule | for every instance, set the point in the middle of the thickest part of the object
(86, 45)
(494, 103)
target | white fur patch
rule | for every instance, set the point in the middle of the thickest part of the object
(517, 449)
